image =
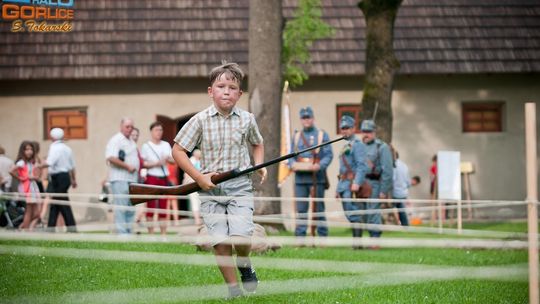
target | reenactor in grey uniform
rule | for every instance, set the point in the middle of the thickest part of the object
(352, 173)
(310, 171)
(379, 159)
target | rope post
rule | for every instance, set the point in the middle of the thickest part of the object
(440, 212)
(459, 218)
(532, 198)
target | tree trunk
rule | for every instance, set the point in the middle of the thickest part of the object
(265, 78)
(381, 63)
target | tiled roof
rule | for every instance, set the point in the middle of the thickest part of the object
(185, 38)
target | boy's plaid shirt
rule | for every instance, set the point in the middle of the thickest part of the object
(222, 140)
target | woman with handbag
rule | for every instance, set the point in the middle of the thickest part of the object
(156, 153)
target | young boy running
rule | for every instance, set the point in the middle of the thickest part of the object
(223, 133)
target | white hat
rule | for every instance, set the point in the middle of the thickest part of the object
(57, 133)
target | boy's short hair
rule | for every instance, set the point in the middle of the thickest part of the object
(230, 69)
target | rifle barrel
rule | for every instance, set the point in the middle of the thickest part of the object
(284, 157)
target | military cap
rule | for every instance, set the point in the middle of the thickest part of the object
(346, 122)
(368, 125)
(306, 112)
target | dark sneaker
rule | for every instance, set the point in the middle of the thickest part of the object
(249, 278)
(234, 292)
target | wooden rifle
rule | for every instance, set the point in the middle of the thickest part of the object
(142, 190)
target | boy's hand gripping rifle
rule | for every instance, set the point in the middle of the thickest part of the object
(151, 190)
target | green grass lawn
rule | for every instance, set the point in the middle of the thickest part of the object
(392, 275)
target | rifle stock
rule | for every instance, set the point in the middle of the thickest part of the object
(151, 190)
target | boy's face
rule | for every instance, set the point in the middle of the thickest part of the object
(225, 92)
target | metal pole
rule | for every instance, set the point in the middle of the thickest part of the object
(532, 198)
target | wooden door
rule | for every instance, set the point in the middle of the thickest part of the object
(169, 128)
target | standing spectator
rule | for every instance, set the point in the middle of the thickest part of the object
(135, 137)
(6, 164)
(224, 134)
(433, 177)
(156, 153)
(121, 154)
(61, 168)
(352, 174)
(401, 184)
(141, 175)
(39, 165)
(379, 159)
(24, 171)
(42, 182)
(415, 180)
(310, 172)
(433, 188)
(172, 202)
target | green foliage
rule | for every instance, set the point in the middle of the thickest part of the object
(298, 36)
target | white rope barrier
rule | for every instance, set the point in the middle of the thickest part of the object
(289, 241)
(479, 204)
(266, 288)
(314, 265)
(288, 218)
(270, 199)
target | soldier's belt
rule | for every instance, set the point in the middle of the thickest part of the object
(303, 166)
(346, 176)
(373, 176)
(305, 163)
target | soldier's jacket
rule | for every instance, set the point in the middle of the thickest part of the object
(354, 153)
(325, 156)
(378, 153)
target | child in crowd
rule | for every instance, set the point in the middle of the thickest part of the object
(28, 172)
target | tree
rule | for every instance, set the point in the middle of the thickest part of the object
(381, 63)
(300, 32)
(266, 59)
(265, 78)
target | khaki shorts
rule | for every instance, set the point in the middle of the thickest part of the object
(225, 217)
